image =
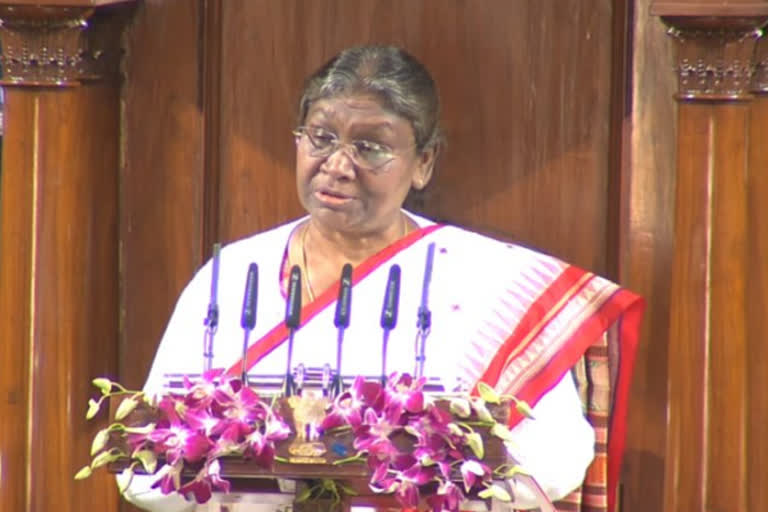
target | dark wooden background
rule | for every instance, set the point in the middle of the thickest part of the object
(563, 134)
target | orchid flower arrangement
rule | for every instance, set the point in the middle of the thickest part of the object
(444, 443)
(414, 445)
(212, 418)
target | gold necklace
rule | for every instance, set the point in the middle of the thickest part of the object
(310, 291)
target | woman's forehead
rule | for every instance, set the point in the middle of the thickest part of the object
(355, 108)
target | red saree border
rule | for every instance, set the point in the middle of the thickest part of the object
(622, 306)
(278, 334)
(626, 308)
(567, 284)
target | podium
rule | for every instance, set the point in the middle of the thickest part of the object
(309, 472)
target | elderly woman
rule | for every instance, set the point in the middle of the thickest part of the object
(367, 135)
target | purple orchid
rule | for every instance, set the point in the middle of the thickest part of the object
(349, 406)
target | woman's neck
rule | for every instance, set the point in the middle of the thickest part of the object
(321, 243)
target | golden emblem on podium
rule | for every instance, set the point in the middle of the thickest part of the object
(309, 410)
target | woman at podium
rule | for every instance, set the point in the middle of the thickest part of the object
(367, 134)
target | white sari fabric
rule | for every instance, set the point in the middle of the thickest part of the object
(480, 290)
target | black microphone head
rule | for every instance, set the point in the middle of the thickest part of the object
(293, 301)
(391, 299)
(344, 302)
(248, 318)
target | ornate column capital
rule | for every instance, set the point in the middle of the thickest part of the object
(56, 46)
(715, 56)
(715, 46)
(760, 78)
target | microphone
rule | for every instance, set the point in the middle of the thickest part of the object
(248, 317)
(341, 320)
(389, 314)
(292, 321)
(424, 319)
(211, 321)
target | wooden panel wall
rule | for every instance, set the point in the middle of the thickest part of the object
(161, 227)
(527, 145)
(646, 244)
(757, 287)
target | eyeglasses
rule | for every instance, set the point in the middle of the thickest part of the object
(365, 154)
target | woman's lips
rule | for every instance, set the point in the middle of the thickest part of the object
(332, 197)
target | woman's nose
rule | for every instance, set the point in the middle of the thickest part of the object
(339, 163)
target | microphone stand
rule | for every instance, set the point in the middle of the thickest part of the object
(211, 321)
(424, 319)
(389, 315)
(292, 321)
(341, 321)
(248, 317)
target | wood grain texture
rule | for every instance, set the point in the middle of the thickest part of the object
(16, 250)
(67, 282)
(527, 145)
(757, 305)
(646, 245)
(708, 344)
(161, 176)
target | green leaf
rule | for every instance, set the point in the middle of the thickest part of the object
(99, 441)
(502, 432)
(460, 407)
(145, 429)
(487, 393)
(93, 408)
(105, 385)
(125, 408)
(483, 414)
(475, 442)
(524, 409)
(105, 458)
(347, 490)
(412, 430)
(84, 473)
(304, 495)
(148, 460)
(495, 491)
(454, 429)
(514, 471)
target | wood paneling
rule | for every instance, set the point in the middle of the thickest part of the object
(161, 177)
(708, 344)
(59, 292)
(646, 244)
(16, 246)
(757, 286)
(525, 88)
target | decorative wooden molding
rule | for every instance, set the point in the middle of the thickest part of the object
(760, 77)
(715, 56)
(717, 9)
(59, 46)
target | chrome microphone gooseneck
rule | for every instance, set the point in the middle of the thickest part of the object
(424, 320)
(211, 321)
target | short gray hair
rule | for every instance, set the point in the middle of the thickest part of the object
(402, 84)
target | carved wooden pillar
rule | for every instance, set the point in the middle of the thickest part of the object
(709, 467)
(58, 247)
(757, 182)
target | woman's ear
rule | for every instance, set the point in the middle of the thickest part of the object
(425, 167)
